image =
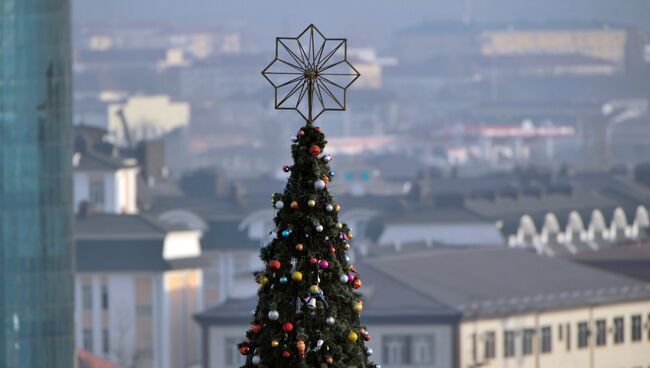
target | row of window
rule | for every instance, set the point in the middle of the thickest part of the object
(88, 341)
(87, 297)
(617, 330)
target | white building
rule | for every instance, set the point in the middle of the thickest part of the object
(148, 117)
(136, 288)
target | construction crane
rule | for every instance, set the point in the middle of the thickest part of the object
(125, 128)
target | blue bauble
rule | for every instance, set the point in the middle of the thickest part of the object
(286, 233)
(283, 280)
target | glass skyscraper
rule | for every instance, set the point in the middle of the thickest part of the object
(36, 270)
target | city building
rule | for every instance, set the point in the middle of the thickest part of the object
(137, 285)
(522, 310)
(36, 248)
(408, 329)
(146, 118)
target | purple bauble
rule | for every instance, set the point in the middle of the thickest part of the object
(350, 277)
(324, 264)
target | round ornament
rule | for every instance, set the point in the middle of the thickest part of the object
(286, 233)
(256, 360)
(286, 168)
(256, 328)
(279, 205)
(274, 315)
(275, 264)
(319, 184)
(324, 264)
(283, 280)
(314, 150)
(286, 354)
(296, 276)
(343, 278)
(329, 208)
(287, 327)
(357, 283)
(275, 343)
(300, 247)
(311, 203)
(294, 205)
(319, 228)
(330, 321)
(369, 351)
(327, 158)
(357, 308)
(352, 336)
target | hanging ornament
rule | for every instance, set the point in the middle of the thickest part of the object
(339, 225)
(274, 315)
(357, 283)
(346, 246)
(332, 174)
(300, 133)
(287, 327)
(256, 328)
(275, 343)
(337, 207)
(367, 338)
(327, 158)
(329, 360)
(300, 345)
(350, 235)
(286, 233)
(369, 351)
(319, 345)
(351, 276)
(286, 354)
(330, 321)
(296, 276)
(283, 280)
(319, 184)
(343, 278)
(294, 205)
(275, 264)
(311, 203)
(314, 289)
(263, 280)
(314, 150)
(329, 208)
(244, 348)
(279, 205)
(324, 264)
(317, 129)
(299, 247)
(256, 360)
(313, 260)
(358, 307)
(286, 168)
(352, 336)
(332, 249)
(319, 228)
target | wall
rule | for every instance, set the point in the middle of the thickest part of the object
(627, 354)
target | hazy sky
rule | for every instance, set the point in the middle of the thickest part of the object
(355, 17)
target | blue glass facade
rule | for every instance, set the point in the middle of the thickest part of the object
(36, 270)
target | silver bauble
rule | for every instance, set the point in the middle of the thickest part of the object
(319, 184)
(279, 205)
(274, 315)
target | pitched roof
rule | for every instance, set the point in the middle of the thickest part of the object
(505, 280)
(386, 301)
(225, 233)
(119, 226)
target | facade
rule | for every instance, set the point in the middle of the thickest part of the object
(35, 185)
(520, 310)
(138, 283)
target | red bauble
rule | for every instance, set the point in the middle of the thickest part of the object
(275, 264)
(317, 129)
(357, 283)
(313, 261)
(301, 133)
(286, 168)
(367, 338)
(256, 328)
(286, 354)
(314, 150)
(244, 349)
(287, 327)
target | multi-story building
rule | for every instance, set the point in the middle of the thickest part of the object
(36, 265)
(138, 283)
(522, 310)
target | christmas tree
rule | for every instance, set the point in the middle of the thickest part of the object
(308, 313)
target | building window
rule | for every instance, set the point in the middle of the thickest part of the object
(490, 345)
(87, 297)
(546, 339)
(509, 344)
(143, 311)
(422, 350)
(233, 357)
(474, 348)
(568, 336)
(106, 344)
(527, 341)
(583, 335)
(636, 328)
(96, 191)
(619, 330)
(601, 332)
(88, 339)
(395, 349)
(104, 297)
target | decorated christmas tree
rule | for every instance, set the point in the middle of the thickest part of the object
(308, 313)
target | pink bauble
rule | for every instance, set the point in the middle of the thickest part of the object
(350, 277)
(324, 264)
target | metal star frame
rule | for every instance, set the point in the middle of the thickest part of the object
(310, 73)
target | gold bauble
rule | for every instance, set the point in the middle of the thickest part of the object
(311, 203)
(357, 308)
(352, 336)
(314, 289)
(296, 276)
(275, 343)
